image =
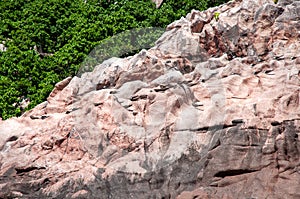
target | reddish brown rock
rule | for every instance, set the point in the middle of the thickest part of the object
(212, 111)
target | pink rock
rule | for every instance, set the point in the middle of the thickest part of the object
(158, 3)
(212, 111)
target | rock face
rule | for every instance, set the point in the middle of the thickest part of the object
(212, 111)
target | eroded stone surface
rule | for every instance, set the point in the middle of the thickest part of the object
(212, 111)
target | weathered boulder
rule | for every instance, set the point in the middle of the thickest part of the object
(212, 111)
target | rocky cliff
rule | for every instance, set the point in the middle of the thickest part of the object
(212, 111)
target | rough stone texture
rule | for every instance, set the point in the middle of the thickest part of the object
(212, 111)
(2, 46)
(158, 3)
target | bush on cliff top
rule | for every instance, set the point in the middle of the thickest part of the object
(46, 40)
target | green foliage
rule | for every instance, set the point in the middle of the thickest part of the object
(213, 3)
(216, 16)
(47, 40)
(124, 44)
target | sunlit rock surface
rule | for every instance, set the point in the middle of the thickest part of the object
(212, 111)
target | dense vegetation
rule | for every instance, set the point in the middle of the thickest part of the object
(46, 40)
